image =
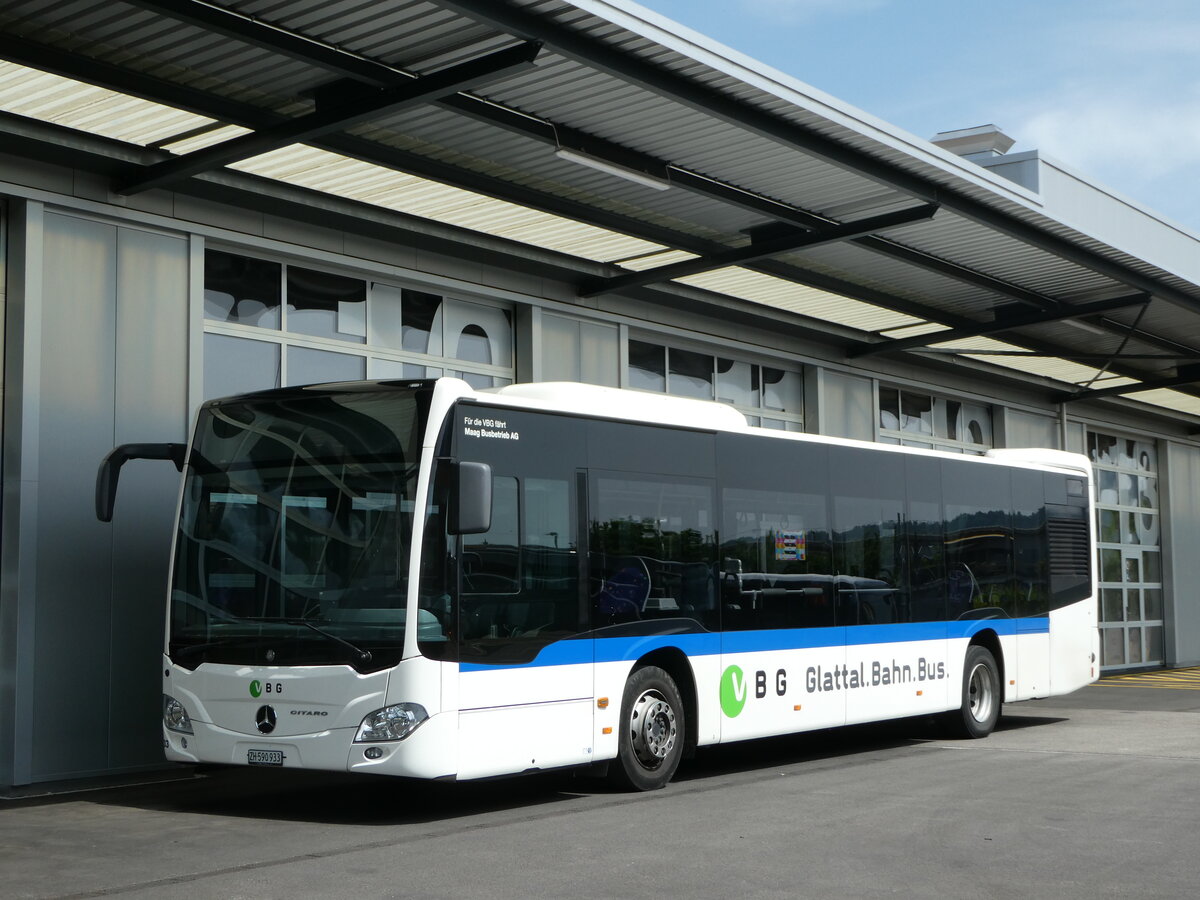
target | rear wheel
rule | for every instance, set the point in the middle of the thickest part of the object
(652, 729)
(981, 695)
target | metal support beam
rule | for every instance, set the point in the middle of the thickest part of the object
(1005, 321)
(336, 117)
(1065, 354)
(1183, 375)
(552, 134)
(716, 104)
(957, 272)
(256, 32)
(759, 250)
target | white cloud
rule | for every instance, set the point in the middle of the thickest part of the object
(1120, 102)
(1116, 129)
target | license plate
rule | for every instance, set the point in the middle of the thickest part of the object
(264, 757)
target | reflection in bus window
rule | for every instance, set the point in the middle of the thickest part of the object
(775, 560)
(979, 541)
(490, 560)
(868, 545)
(652, 550)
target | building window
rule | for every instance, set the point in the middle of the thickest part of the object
(769, 397)
(269, 324)
(917, 419)
(1128, 543)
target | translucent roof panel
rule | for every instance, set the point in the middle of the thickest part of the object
(356, 180)
(783, 294)
(73, 104)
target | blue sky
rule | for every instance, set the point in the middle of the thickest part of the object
(1109, 87)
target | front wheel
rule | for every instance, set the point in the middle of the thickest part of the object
(981, 697)
(652, 729)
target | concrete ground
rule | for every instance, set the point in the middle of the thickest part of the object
(1092, 795)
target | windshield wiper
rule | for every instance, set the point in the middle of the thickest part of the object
(362, 656)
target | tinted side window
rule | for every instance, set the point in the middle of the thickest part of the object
(775, 559)
(979, 574)
(653, 549)
(1031, 565)
(926, 550)
(518, 585)
(491, 561)
(776, 568)
(620, 446)
(868, 539)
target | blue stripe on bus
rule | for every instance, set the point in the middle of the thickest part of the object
(619, 649)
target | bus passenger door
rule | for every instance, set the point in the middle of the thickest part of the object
(525, 660)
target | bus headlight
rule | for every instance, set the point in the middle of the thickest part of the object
(175, 717)
(392, 723)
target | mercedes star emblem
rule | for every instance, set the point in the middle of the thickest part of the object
(265, 719)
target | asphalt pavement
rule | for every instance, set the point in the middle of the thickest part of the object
(1092, 795)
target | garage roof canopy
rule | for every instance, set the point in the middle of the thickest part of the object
(600, 131)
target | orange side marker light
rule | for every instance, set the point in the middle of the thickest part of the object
(602, 703)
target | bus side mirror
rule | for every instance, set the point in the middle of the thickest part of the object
(471, 498)
(110, 470)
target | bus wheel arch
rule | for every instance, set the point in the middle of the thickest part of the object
(675, 663)
(989, 640)
(982, 690)
(655, 720)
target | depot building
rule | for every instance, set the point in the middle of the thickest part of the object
(200, 199)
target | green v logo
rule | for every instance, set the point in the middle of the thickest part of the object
(733, 691)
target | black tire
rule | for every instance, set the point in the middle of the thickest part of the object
(652, 725)
(981, 696)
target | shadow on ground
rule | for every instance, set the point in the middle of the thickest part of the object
(335, 798)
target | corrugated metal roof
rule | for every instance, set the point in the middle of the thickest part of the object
(678, 107)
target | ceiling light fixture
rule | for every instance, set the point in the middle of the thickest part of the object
(1086, 326)
(600, 165)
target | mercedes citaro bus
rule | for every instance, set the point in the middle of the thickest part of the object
(422, 579)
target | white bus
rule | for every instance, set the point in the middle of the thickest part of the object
(426, 580)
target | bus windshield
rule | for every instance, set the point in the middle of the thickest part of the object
(294, 529)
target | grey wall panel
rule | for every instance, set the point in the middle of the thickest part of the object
(1181, 505)
(18, 563)
(847, 406)
(151, 405)
(1022, 429)
(74, 551)
(576, 350)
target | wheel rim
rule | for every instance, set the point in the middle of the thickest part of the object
(653, 729)
(981, 693)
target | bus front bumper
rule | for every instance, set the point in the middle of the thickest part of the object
(430, 751)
